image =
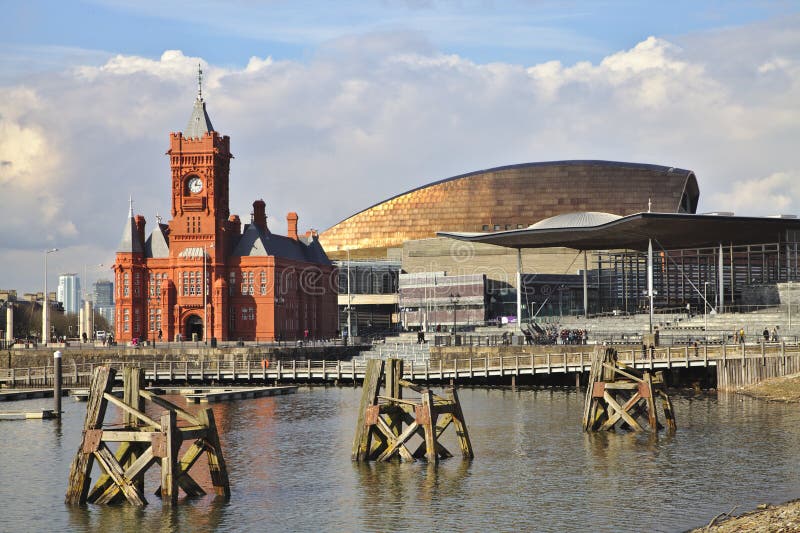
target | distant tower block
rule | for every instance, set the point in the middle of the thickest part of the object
(622, 397)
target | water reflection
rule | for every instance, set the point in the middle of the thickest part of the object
(290, 468)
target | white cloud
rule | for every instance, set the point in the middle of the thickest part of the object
(368, 118)
(776, 194)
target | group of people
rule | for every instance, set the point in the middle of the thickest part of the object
(768, 335)
(551, 334)
(771, 336)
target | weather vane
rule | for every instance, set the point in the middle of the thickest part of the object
(199, 82)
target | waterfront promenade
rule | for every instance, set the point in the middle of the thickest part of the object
(735, 365)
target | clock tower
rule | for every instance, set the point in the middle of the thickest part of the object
(200, 162)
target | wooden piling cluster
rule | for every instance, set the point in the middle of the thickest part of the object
(380, 434)
(619, 396)
(142, 442)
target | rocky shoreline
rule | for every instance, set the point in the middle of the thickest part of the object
(783, 518)
(784, 389)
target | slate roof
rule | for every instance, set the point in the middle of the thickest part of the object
(157, 245)
(199, 123)
(257, 243)
(130, 242)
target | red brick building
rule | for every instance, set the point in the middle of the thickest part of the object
(259, 285)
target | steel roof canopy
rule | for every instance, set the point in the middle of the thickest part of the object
(669, 230)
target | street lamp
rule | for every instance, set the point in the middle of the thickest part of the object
(454, 300)
(705, 310)
(46, 304)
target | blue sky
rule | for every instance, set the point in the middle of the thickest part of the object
(334, 106)
(228, 33)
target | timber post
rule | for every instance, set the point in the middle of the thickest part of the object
(143, 442)
(387, 422)
(619, 396)
(57, 383)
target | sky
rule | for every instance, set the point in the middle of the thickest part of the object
(334, 106)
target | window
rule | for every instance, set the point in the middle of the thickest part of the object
(486, 227)
(508, 226)
(126, 285)
(126, 320)
(152, 319)
(191, 283)
(232, 314)
(520, 226)
(497, 227)
(137, 282)
(158, 320)
(232, 288)
(263, 283)
(185, 284)
(250, 282)
(152, 287)
(137, 321)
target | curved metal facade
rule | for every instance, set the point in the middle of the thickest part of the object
(514, 197)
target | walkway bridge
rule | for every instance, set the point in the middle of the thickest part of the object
(743, 364)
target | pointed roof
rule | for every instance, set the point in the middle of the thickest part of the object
(130, 242)
(157, 245)
(199, 123)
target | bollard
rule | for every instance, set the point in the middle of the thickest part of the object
(57, 383)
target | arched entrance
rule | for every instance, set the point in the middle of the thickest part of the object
(194, 325)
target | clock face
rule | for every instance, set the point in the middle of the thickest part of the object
(195, 185)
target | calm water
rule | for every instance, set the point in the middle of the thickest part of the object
(289, 462)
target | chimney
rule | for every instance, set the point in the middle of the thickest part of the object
(291, 222)
(235, 224)
(260, 215)
(139, 223)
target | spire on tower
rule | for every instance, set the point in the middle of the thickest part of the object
(199, 123)
(130, 208)
(199, 83)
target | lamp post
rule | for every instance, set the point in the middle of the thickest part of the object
(789, 302)
(705, 310)
(349, 301)
(46, 301)
(205, 295)
(454, 300)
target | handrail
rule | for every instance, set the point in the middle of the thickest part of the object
(302, 369)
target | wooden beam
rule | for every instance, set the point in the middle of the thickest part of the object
(392, 448)
(216, 462)
(130, 410)
(460, 425)
(161, 402)
(134, 473)
(427, 412)
(369, 396)
(109, 463)
(652, 416)
(169, 482)
(81, 467)
(625, 416)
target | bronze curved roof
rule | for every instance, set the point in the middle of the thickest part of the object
(515, 196)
